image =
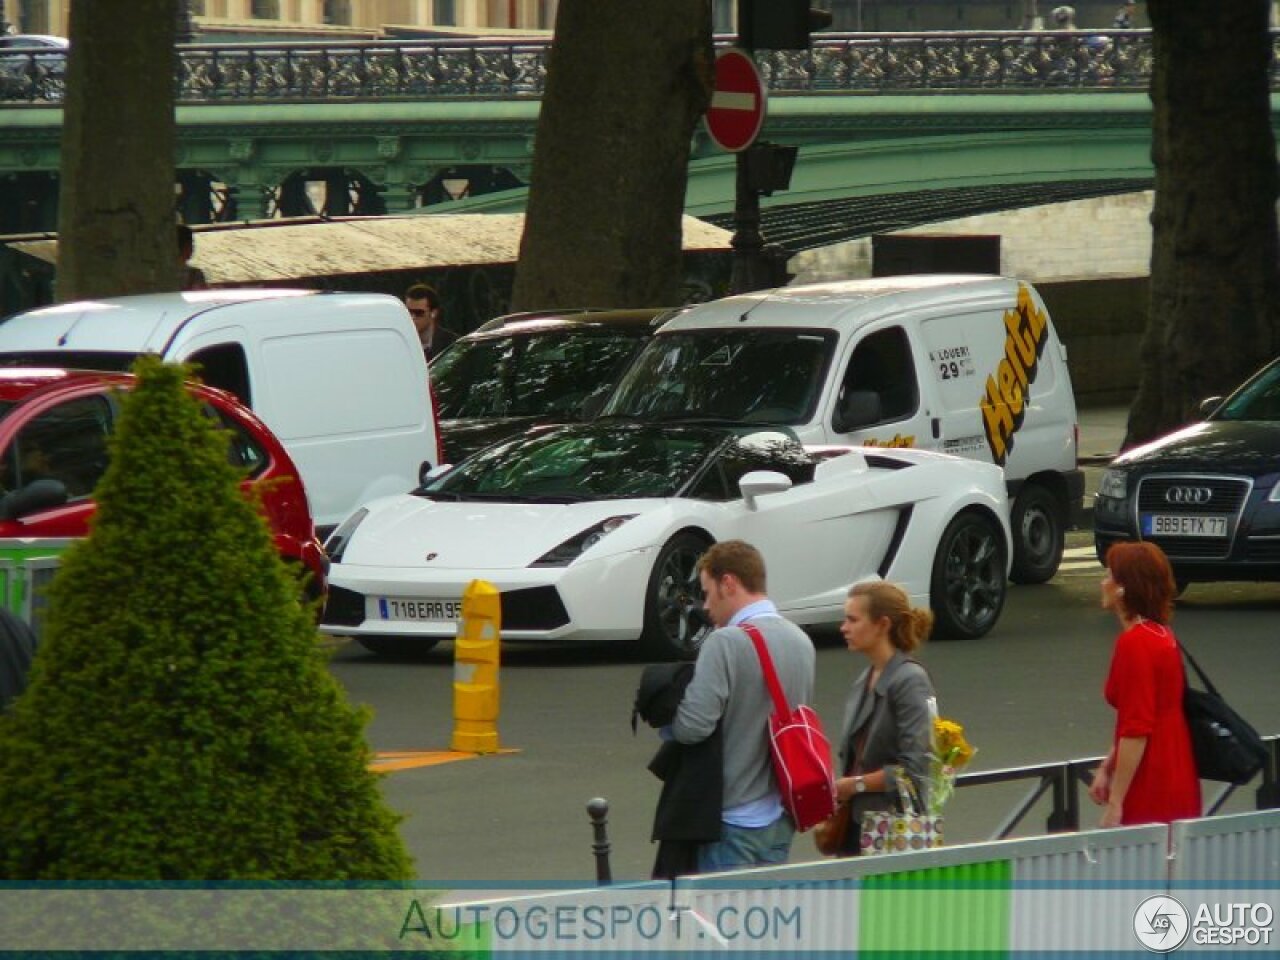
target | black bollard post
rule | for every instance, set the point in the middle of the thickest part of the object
(598, 810)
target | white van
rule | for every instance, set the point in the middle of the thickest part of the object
(968, 365)
(339, 377)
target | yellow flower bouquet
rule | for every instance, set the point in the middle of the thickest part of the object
(949, 754)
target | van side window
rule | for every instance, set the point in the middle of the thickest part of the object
(226, 368)
(67, 443)
(879, 384)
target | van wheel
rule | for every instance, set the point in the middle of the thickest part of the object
(1039, 535)
(968, 585)
(673, 623)
(401, 648)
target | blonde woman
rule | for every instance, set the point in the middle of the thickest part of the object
(886, 719)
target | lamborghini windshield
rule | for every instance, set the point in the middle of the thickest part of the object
(587, 462)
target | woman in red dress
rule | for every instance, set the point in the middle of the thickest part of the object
(1150, 774)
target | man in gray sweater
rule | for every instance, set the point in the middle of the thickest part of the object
(728, 688)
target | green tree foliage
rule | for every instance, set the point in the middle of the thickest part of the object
(181, 723)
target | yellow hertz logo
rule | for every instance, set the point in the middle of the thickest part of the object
(1004, 405)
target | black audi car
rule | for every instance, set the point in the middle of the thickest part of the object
(1208, 494)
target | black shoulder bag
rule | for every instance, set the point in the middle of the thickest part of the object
(1226, 747)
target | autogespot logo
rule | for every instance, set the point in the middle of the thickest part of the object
(1161, 924)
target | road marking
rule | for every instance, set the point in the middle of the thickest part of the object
(1080, 560)
(388, 761)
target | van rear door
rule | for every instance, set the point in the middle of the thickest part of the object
(352, 408)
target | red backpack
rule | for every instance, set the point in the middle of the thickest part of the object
(801, 753)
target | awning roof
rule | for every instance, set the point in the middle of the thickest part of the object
(276, 251)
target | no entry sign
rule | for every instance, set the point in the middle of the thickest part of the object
(738, 101)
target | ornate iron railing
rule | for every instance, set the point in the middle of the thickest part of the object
(496, 69)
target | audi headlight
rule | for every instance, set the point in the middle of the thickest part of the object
(1114, 484)
(336, 545)
(1274, 495)
(576, 546)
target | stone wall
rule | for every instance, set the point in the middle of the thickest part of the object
(1090, 260)
(1103, 237)
(1101, 322)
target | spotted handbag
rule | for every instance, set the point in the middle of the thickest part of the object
(899, 831)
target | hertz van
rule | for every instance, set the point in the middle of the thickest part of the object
(967, 365)
(338, 377)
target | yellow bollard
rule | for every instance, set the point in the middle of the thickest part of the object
(475, 670)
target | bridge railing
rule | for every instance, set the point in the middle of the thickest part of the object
(500, 68)
(949, 62)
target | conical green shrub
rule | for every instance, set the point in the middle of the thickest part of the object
(180, 722)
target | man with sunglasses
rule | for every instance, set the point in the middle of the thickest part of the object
(424, 306)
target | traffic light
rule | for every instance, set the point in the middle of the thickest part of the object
(769, 166)
(778, 24)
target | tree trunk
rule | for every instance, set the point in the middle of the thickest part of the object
(1215, 291)
(116, 208)
(626, 83)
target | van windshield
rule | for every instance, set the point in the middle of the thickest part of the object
(754, 376)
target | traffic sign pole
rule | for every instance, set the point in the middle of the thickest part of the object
(733, 120)
(750, 269)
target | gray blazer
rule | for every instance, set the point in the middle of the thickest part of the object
(895, 720)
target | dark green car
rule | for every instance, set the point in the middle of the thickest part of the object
(528, 369)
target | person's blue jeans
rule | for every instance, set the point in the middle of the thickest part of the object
(747, 846)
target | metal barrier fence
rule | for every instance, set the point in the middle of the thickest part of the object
(1243, 847)
(1064, 780)
(497, 69)
(26, 568)
(1077, 891)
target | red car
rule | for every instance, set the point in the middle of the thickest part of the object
(54, 426)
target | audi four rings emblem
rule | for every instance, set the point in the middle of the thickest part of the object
(1188, 495)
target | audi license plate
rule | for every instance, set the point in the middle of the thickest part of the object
(415, 609)
(1182, 525)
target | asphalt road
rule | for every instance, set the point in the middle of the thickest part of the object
(1030, 692)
